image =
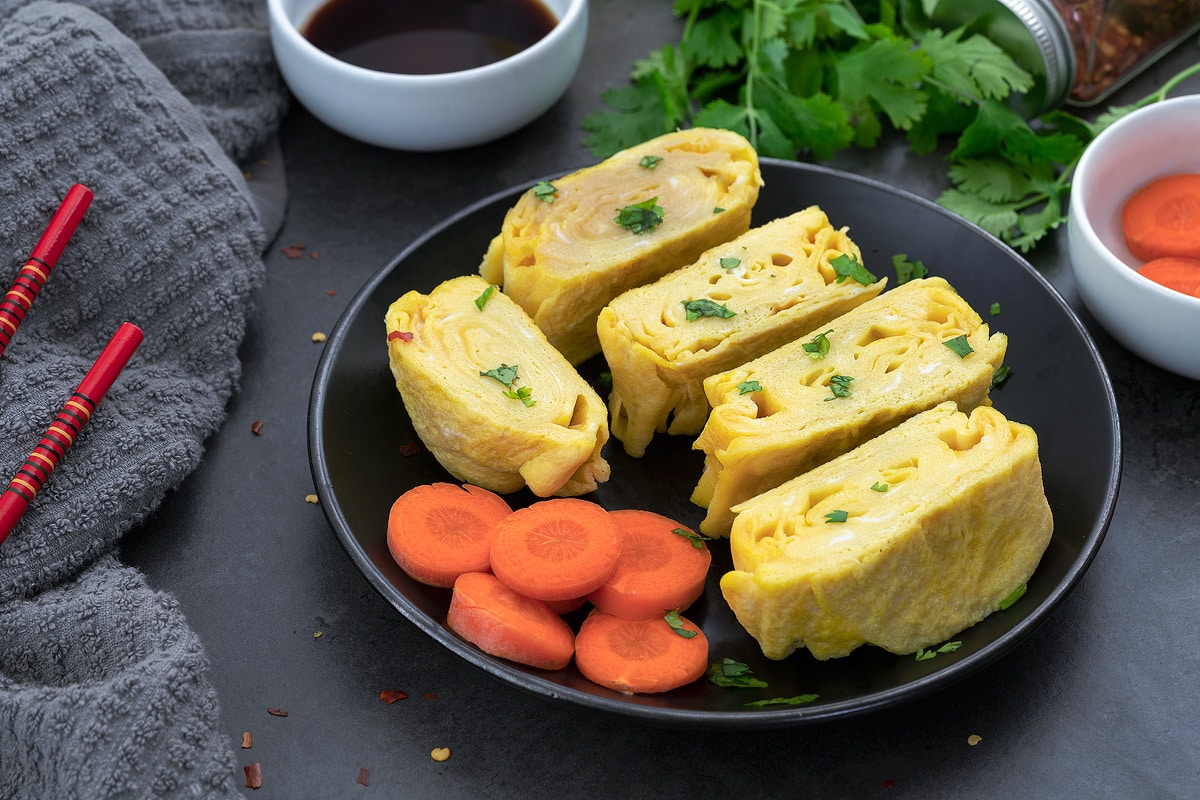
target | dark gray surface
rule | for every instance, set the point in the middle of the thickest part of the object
(1099, 702)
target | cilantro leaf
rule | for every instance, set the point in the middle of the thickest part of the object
(705, 307)
(959, 344)
(795, 700)
(847, 266)
(505, 373)
(729, 673)
(749, 387)
(818, 346)
(676, 622)
(640, 217)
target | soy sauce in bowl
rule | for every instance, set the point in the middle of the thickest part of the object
(420, 37)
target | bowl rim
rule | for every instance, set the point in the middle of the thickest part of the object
(1081, 221)
(283, 26)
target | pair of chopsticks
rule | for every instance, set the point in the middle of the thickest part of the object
(80, 406)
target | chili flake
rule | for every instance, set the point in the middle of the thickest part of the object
(404, 336)
(256, 427)
(364, 777)
(390, 696)
(277, 712)
(253, 775)
(247, 740)
(294, 251)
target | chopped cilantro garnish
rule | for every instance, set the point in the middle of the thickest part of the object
(907, 270)
(718, 210)
(795, 700)
(879, 486)
(481, 301)
(948, 647)
(959, 344)
(649, 162)
(729, 262)
(676, 622)
(995, 309)
(731, 674)
(706, 308)
(840, 386)
(999, 376)
(697, 539)
(505, 373)
(837, 515)
(818, 346)
(545, 191)
(1013, 596)
(640, 217)
(749, 387)
(849, 267)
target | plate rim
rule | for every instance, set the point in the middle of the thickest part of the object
(788, 716)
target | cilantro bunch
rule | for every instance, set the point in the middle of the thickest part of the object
(807, 78)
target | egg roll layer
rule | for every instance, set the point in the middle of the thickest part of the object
(892, 348)
(778, 281)
(438, 346)
(563, 258)
(957, 520)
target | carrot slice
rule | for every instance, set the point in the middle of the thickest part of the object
(505, 624)
(659, 570)
(438, 531)
(1163, 218)
(641, 656)
(1180, 274)
(557, 549)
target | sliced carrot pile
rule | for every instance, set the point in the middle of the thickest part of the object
(438, 531)
(1163, 218)
(505, 624)
(1180, 274)
(642, 656)
(660, 569)
(557, 549)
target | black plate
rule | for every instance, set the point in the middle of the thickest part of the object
(358, 428)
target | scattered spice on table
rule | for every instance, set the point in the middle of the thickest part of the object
(318, 634)
(311, 498)
(276, 712)
(256, 427)
(974, 739)
(331, 292)
(390, 696)
(319, 337)
(439, 753)
(294, 251)
(364, 777)
(247, 740)
(253, 775)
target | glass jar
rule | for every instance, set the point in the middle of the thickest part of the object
(1079, 51)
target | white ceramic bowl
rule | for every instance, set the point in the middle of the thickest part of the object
(428, 112)
(1158, 324)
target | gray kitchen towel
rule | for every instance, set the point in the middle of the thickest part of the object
(103, 686)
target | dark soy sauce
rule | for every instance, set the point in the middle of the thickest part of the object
(425, 37)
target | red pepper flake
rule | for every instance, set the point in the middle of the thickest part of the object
(364, 777)
(256, 427)
(390, 696)
(253, 776)
(889, 783)
(294, 251)
(411, 448)
(247, 740)
(313, 254)
(331, 292)
(276, 712)
(404, 336)
(430, 696)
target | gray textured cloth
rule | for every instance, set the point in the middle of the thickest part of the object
(103, 686)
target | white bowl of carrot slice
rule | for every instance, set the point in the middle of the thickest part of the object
(1133, 232)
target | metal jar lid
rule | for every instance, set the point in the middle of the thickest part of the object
(1031, 31)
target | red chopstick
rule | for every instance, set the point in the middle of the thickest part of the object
(32, 277)
(66, 426)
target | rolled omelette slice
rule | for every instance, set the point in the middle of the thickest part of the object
(945, 516)
(562, 255)
(778, 282)
(887, 360)
(531, 420)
